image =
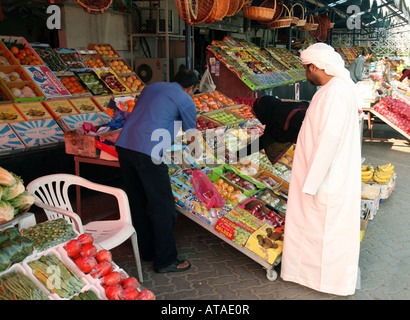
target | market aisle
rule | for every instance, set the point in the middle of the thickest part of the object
(221, 272)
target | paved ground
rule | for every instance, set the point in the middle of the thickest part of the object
(219, 271)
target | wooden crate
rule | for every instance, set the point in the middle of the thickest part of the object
(80, 144)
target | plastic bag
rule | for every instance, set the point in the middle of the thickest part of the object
(207, 83)
(206, 190)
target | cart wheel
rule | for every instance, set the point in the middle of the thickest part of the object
(271, 274)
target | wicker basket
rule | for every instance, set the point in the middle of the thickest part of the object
(94, 6)
(195, 11)
(310, 24)
(283, 22)
(219, 11)
(302, 20)
(258, 13)
(233, 6)
(247, 3)
(272, 4)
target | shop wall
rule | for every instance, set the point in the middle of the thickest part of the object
(81, 28)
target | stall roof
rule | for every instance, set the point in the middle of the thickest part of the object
(371, 11)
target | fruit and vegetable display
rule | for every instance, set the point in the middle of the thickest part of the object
(51, 59)
(25, 56)
(73, 85)
(225, 117)
(396, 111)
(381, 174)
(113, 82)
(71, 58)
(14, 198)
(93, 83)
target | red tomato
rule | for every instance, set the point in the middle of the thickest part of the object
(73, 248)
(104, 255)
(131, 293)
(85, 239)
(114, 292)
(112, 278)
(86, 264)
(104, 268)
(88, 250)
(146, 294)
(130, 282)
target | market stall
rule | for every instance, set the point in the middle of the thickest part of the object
(51, 260)
(239, 68)
(46, 92)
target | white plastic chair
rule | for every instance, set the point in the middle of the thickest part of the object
(51, 193)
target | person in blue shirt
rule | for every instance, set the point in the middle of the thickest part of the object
(160, 111)
(357, 66)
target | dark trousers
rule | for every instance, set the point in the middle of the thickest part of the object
(148, 183)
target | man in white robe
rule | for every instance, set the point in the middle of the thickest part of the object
(322, 229)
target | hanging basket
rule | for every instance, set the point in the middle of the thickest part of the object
(219, 11)
(258, 13)
(310, 24)
(233, 7)
(301, 20)
(283, 22)
(247, 3)
(195, 11)
(295, 19)
(272, 4)
(94, 6)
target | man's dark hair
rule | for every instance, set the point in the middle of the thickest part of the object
(366, 51)
(403, 71)
(186, 78)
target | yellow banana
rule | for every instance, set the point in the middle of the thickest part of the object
(379, 179)
(366, 179)
(383, 175)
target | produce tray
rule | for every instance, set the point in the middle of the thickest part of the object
(8, 58)
(4, 98)
(9, 113)
(71, 59)
(17, 69)
(84, 105)
(7, 87)
(74, 86)
(58, 108)
(33, 110)
(93, 83)
(72, 122)
(20, 43)
(9, 141)
(112, 81)
(47, 82)
(39, 133)
(49, 56)
(91, 59)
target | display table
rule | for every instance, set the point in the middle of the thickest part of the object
(98, 161)
(271, 274)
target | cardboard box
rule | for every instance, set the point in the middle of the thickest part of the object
(39, 133)
(7, 87)
(58, 108)
(372, 205)
(106, 142)
(33, 110)
(269, 254)
(9, 141)
(102, 101)
(80, 144)
(9, 113)
(72, 122)
(84, 105)
(21, 43)
(47, 82)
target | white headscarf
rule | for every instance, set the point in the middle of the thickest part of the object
(326, 58)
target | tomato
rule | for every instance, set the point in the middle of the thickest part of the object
(130, 282)
(146, 294)
(86, 264)
(104, 268)
(88, 250)
(114, 292)
(73, 248)
(104, 255)
(85, 239)
(112, 278)
(131, 293)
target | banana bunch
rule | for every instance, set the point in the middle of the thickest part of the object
(367, 173)
(383, 174)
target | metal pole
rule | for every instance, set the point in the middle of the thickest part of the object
(188, 46)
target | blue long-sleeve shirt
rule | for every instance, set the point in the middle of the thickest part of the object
(156, 118)
(356, 69)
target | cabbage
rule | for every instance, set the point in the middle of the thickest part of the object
(6, 211)
(22, 202)
(13, 190)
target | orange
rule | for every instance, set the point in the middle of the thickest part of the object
(14, 50)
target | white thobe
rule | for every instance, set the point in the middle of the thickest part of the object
(322, 228)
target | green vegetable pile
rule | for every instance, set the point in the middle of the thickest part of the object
(14, 198)
(18, 286)
(56, 276)
(49, 233)
(14, 247)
